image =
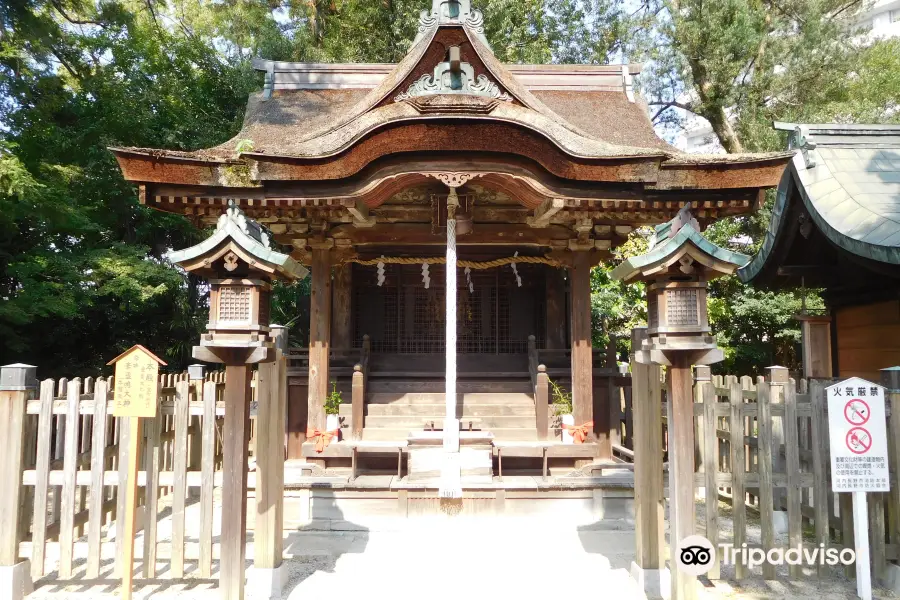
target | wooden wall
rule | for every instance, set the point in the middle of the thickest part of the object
(868, 339)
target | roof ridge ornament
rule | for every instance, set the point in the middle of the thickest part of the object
(454, 77)
(803, 141)
(451, 12)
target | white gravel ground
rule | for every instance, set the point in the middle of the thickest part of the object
(487, 558)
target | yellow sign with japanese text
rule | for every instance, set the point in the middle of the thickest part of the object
(136, 383)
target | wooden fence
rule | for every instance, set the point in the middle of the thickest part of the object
(73, 447)
(762, 446)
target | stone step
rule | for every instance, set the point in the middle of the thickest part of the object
(437, 386)
(464, 398)
(420, 421)
(396, 435)
(467, 409)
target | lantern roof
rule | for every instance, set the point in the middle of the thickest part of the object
(680, 241)
(250, 240)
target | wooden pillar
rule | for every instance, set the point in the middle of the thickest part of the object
(16, 381)
(582, 351)
(341, 302)
(816, 341)
(268, 542)
(319, 336)
(649, 518)
(234, 479)
(555, 322)
(681, 472)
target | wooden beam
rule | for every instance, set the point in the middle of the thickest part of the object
(360, 213)
(422, 234)
(545, 212)
(319, 336)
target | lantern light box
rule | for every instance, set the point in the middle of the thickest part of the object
(240, 264)
(676, 270)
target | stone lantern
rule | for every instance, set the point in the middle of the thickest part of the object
(676, 270)
(240, 264)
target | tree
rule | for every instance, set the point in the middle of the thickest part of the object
(741, 63)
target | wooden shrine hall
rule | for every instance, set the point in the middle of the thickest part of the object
(546, 169)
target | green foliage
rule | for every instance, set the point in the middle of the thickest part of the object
(81, 273)
(333, 400)
(616, 308)
(562, 399)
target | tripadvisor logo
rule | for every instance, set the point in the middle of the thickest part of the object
(696, 555)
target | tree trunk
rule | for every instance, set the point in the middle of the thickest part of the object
(723, 129)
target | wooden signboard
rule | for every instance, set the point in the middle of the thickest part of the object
(137, 381)
(136, 396)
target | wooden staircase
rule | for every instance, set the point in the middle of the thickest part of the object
(397, 405)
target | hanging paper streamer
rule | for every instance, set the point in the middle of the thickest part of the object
(426, 276)
(380, 273)
(516, 271)
(469, 280)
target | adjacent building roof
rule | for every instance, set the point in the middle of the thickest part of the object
(845, 184)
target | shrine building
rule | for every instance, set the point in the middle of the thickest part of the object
(548, 168)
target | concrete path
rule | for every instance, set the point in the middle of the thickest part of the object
(453, 558)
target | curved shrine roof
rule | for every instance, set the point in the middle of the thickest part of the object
(847, 179)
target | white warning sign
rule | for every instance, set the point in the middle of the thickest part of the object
(858, 434)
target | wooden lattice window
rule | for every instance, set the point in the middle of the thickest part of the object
(653, 310)
(681, 307)
(234, 303)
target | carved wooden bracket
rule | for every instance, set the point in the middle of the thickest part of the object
(545, 212)
(454, 180)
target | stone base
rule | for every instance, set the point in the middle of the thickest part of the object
(427, 456)
(656, 583)
(15, 581)
(614, 503)
(267, 583)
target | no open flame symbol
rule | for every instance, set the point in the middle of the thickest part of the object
(859, 440)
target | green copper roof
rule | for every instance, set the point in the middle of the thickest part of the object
(668, 241)
(250, 236)
(848, 178)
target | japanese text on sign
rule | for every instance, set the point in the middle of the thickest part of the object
(136, 385)
(858, 436)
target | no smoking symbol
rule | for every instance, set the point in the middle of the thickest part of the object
(859, 440)
(857, 412)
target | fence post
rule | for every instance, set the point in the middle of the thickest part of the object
(649, 568)
(709, 447)
(702, 377)
(358, 409)
(16, 385)
(268, 575)
(542, 403)
(778, 379)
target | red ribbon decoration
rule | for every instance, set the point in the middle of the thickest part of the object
(579, 432)
(322, 438)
